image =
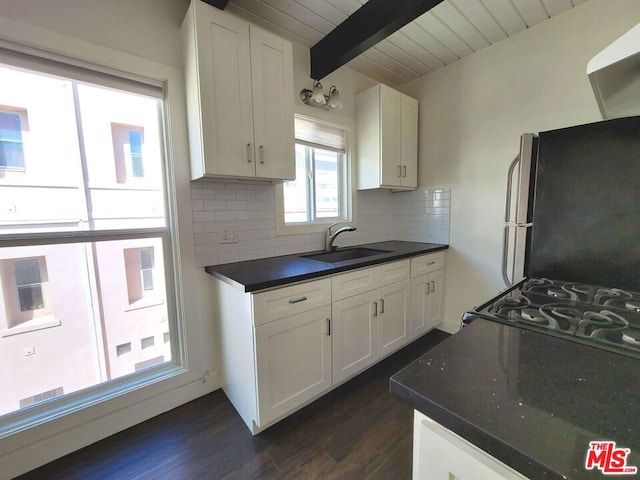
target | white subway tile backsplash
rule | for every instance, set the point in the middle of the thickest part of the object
(421, 216)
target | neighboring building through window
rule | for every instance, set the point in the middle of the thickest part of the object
(11, 138)
(321, 193)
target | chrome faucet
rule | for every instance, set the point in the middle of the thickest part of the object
(329, 237)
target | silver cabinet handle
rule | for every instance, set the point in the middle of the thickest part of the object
(249, 153)
(375, 309)
(404, 170)
(428, 288)
(431, 263)
(382, 305)
(399, 170)
(297, 300)
(433, 286)
(262, 154)
(328, 327)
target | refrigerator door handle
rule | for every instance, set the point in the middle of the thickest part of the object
(507, 222)
(519, 222)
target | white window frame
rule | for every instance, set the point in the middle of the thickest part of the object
(39, 61)
(72, 431)
(347, 188)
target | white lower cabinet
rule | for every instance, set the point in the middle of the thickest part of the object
(427, 293)
(372, 324)
(440, 454)
(282, 348)
(355, 333)
(293, 362)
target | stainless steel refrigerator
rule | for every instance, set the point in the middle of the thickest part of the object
(573, 206)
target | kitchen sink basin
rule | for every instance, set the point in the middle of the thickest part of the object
(343, 255)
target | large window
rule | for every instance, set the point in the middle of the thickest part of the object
(86, 283)
(321, 194)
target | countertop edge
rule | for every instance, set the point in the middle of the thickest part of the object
(503, 452)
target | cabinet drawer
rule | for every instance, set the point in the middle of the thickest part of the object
(427, 263)
(393, 272)
(287, 301)
(353, 283)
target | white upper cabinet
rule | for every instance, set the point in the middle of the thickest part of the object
(387, 140)
(239, 81)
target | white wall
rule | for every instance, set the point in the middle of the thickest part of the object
(473, 112)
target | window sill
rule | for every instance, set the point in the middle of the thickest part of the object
(31, 326)
(144, 303)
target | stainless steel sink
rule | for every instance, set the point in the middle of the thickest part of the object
(345, 254)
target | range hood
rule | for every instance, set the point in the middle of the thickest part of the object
(615, 76)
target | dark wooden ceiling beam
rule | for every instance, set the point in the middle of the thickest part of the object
(374, 21)
(221, 4)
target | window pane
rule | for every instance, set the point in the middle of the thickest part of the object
(135, 148)
(53, 191)
(327, 183)
(30, 298)
(10, 127)
(11, 148)
(77, 336)
(27, 272)
(296, 193)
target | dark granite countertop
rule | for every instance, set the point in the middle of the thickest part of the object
(253, 275)
(530, 400)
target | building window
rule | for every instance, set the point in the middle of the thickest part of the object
(29, 285)
(128, 141)
(321, 194)
(146, 268)
(123, 348)
(41, 397)
(24, 286)
(12, 126)
(139, 267)
(147, 342)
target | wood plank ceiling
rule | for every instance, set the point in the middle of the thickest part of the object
(448, 32)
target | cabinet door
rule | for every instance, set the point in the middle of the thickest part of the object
(293, 362)
(393, 312)
(420, 289)
(226, 100)
(272, 81)
(390, 121)
(409, 141)
(355, 333)
(436, 299)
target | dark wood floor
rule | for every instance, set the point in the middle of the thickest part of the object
(358, 431)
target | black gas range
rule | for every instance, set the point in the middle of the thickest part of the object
(607, 318)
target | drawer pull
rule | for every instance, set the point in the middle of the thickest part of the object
(297, 300)
(432, 263)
